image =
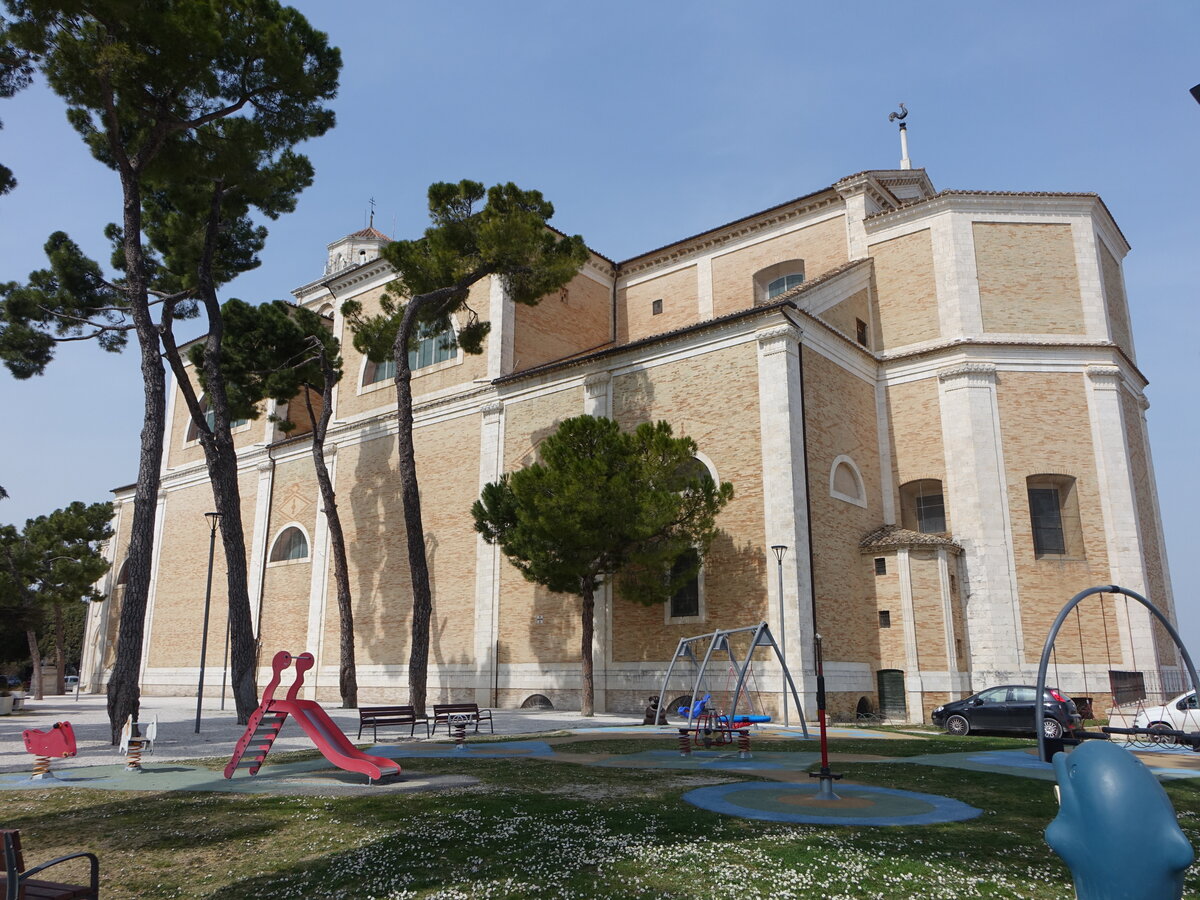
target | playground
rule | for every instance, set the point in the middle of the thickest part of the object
(551, 806)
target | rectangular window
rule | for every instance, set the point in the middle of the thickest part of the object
(885, 618)
(685, 602)
(931, 514)
(861, 331)
(881, 565)
(1045, 513)
(656, 308)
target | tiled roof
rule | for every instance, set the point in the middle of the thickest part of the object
(372, 232)
(887, 537)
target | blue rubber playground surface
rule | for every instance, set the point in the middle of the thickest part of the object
(851, 804)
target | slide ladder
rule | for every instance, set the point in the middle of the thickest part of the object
(266, 721)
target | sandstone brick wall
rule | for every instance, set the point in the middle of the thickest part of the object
(915, 431)
(521, 638)
(1046, 429)
(179, 451)
(563, 325)
(890, 641)
(286, 585)
(928, 610)
(846, 315)
(822, 247)
(1115, 302)
(373, 520)
(382, 396)
(698, 397)
(182, 571)
(840, 419)
(635, 305)
(905, 290)
(1028, 280)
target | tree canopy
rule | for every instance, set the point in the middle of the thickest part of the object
(507, 238)
(602, 503)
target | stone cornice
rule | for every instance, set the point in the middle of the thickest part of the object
(778, 339)
(1104, 376)
(346, 278)
(865, 183)
(596, 384)
(710, 240)
(974, 374)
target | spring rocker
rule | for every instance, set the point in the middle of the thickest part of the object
(137, 739)
(57, 741)
(266, 721)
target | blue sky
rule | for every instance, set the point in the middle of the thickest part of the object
(644, 123)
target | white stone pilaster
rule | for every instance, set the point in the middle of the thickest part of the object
(160, 515)
(704, 287)
(502, 315)
(913, 683)
(960, 313)
(258, 540)
(1118, 503)
(976, 487)
(887, 484)
(95, 635)
(1091, 281)
(785, 493)
(597, 395)
(856, 233)
(172, 391)
(944, 564)
(487, 559)
(318, 586)
(597, 401)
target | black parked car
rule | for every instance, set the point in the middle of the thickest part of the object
(1008, 708)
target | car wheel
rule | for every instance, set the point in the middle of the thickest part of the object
(1052, 729)
(1158, 733)
(957, 725)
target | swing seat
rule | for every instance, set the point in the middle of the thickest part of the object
(751, 720)
(697, 709)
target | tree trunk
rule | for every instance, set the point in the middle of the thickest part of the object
(414, 530)
(60, 658)
(35, 679)
(123, 690)
(347, 673)
(587, 701)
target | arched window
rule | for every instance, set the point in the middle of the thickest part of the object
(433, 347)
(123, 574)
(846, 483)
(685, 601)
(784, 283)
(1054, 517)
(210, 419)
(291, 544)
(923, 506)
(777, 279)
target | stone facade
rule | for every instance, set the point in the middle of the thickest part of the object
(886, 374)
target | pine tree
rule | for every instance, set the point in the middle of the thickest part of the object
(602, 503)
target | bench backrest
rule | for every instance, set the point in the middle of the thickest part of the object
(14, 860)
(445, 708)
(386, 711)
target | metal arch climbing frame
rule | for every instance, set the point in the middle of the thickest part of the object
(719, 640)
(1039, 708)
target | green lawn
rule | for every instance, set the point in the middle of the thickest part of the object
(546, 829)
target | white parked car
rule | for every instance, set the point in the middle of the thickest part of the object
(70, 682)
(1180, 714)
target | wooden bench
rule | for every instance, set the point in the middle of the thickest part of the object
(17, 884)
(374, 716)
(443, 711)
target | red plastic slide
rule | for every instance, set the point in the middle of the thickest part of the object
(254, 745)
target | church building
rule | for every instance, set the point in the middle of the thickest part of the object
(929, 399)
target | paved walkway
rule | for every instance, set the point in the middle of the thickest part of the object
(219, 731)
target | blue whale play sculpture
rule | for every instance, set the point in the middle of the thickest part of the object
(1116, 828)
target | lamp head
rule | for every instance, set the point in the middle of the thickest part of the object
(779, 550)
(213, 519)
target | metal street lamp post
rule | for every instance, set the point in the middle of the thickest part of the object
(779, 550)
(214, 518)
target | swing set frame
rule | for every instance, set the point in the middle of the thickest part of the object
(719, 646)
